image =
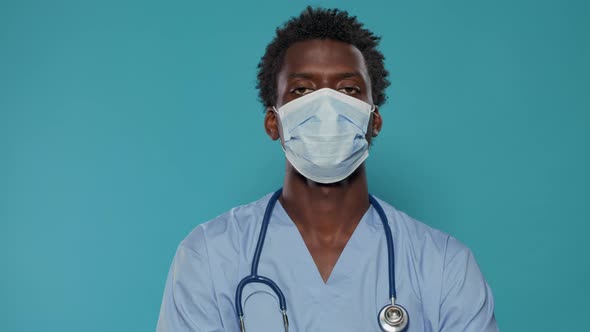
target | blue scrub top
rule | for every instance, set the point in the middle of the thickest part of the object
(437, 278)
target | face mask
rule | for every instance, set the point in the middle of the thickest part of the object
(324, 134)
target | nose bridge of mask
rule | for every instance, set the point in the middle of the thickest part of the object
(327, 116)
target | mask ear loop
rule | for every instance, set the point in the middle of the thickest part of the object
(371, 114)
(274, 109)
(279, 116)
(280, 126)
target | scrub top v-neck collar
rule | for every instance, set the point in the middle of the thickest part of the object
(346, 266)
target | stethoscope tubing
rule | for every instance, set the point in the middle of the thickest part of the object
(390, 250)
(254, 277)
(262, 235)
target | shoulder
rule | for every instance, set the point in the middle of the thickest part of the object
(227, 231)
(435, 253)
(418, 234)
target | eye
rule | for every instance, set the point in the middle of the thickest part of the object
(301, 90)
(350, 90)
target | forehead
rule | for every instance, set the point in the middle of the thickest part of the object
(323, 55)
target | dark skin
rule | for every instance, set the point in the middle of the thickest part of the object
(326, 215)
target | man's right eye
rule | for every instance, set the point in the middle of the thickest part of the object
(300, 91)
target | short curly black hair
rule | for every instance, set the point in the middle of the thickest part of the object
(320, 23)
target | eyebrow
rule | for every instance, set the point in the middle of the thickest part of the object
(350, 74)
(310, 75)
(301, 75)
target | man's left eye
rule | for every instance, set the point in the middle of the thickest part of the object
(350, 90)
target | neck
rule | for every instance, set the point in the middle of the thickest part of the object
(326, 210)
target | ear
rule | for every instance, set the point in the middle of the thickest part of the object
(271, 124)
(377, 122)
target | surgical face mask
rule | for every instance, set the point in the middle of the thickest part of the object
(324, 134)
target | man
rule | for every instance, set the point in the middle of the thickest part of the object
(322, 81)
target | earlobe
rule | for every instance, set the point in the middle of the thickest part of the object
(271, 124)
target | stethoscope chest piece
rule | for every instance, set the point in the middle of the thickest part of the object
(393, 318)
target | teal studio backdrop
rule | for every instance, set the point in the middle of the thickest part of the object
(125, 124)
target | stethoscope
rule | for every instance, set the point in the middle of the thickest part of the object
(392, 317)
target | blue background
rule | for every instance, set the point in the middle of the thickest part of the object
(124, 124)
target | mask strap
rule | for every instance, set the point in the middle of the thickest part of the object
(373, 131)
(274, 109)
